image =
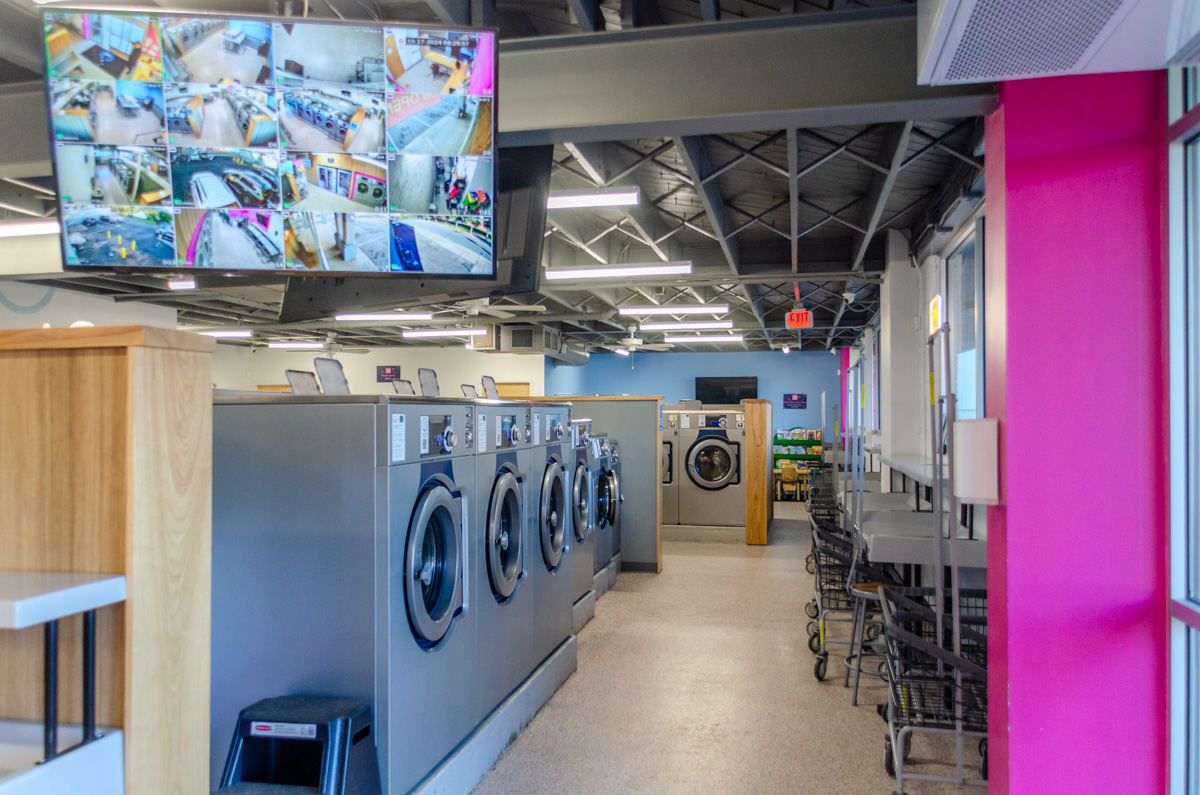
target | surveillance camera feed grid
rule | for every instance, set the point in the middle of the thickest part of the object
(301, 146)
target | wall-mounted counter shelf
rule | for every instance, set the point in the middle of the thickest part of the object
(35, 597)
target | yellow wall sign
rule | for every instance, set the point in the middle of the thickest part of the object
(935, 314)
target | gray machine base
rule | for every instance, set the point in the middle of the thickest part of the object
(583, 611)
(462, 770)
(711, 534)
(607, 576)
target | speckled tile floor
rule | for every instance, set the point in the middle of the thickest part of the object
(699, 679)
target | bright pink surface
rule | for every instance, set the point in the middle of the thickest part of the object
(995, 344)
(1085, 382)
(481, 73)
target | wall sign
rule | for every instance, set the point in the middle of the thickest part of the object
(387, 373)
(935, 314)
(795, 401)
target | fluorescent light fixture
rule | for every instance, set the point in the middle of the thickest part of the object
(446, 332)
(30, 228)
(296, 346)
(181, 284)
(787, 349)
(229, 333)
(693, 309)
(619, 271)
(386, 317)
(621, 352)
(604, 197)
(689, 338)
(684, 325)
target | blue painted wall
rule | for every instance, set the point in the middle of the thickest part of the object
(673, 375)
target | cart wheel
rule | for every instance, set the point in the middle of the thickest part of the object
(810, 564)
(812, 628)
(983, 765)
(872, 633)
(819, 668)
(883, 669)
(814, 644)
(811, 609)
(982, 746)
(907, 745)
(889, 761)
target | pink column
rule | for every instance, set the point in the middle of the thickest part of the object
(1076, 372)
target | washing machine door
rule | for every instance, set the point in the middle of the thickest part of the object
(503, 536)
(552, 517)
(604, 498)
(433, 566)
(614, 489)
(712, 463)
(580, 503)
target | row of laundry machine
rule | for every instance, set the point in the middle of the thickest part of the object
(701, 465)
(423, 555)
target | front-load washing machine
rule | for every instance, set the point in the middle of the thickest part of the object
(618, 495)
(501, 546)
(340, 567)
(669, 466)
(604, 499)
(549, 561)
(712, 491)
(583, 511)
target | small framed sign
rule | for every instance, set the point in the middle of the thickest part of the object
(795, 401)
(387, 373)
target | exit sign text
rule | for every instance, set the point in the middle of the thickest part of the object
(801, 318)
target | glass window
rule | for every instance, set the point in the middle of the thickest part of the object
(965, 279)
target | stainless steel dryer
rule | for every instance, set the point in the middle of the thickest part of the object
(712, 491)
(340, 567)
(507, 496)
(669, 466)
(549, 562)
(583, 511)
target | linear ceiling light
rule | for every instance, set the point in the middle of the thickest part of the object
(684, 325)
(692, 309)
(621, 351)
(230, 333)
(386, 317)
(619, 271)
(296, 346)
(446, 332)
(181, 284)
(604, 197)
(28, 228)
(690, 338)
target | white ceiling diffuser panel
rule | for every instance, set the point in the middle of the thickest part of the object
(975, 41)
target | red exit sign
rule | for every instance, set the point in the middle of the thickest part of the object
(800, 319)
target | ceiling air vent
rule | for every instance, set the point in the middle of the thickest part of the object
(975, 41)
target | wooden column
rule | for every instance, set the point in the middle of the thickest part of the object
(760, 498)
(106, 467)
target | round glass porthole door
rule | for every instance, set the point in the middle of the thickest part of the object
(580, 504)
(552, 518)
(433, 566)
(604, 499)
(503, 536)
(712, 464)
(614, 490)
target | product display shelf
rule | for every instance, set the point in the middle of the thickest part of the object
(798, 449)
(46, 758)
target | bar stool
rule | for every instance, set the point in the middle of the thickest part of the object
(864, 584)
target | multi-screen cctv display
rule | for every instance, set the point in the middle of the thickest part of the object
(236, 144)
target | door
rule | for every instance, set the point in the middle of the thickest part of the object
(604, 499)
(666, 464)
(712, 463)
(503, 536)
(552, 516)
(581, 503)
(326, 177)
(612, 479)
(433, 566)
(343, 184)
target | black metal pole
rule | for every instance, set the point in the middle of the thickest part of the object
(89, 676)
(50, 694)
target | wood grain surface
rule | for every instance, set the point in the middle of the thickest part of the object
(104, 337)
(759, 498)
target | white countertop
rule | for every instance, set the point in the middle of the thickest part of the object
(907, 537)
(915, 466)
(28, 598)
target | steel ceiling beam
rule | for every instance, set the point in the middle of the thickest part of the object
(452, 12)
(710, 10)
(858, 68)
(793, 148)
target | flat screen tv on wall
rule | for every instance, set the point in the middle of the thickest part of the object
(247, 144)
(726, 391)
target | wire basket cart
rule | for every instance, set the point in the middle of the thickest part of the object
(831, 602)
(931, 689)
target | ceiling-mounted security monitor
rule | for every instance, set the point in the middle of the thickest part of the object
(251, 145)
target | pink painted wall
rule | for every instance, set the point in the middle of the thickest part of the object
(1078, 552)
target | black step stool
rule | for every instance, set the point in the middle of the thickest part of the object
(298, 744)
